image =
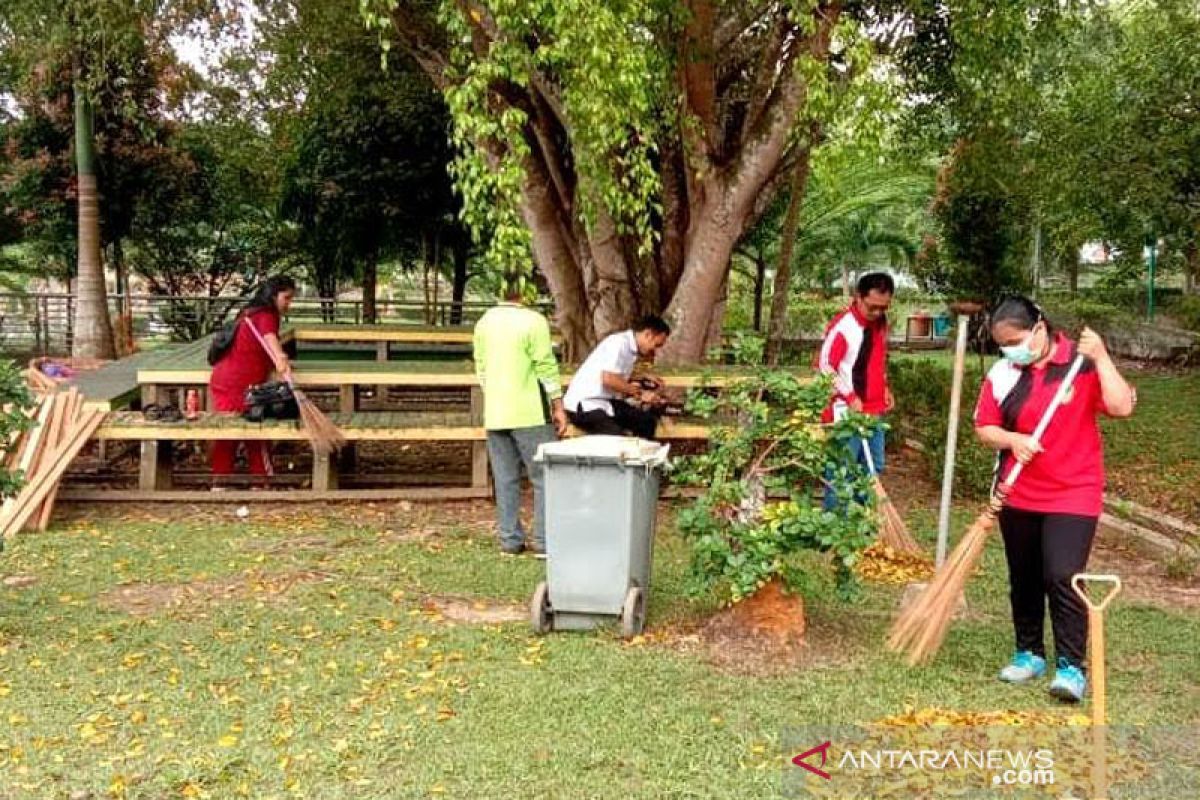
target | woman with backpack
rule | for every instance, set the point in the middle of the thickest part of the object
(246, 362)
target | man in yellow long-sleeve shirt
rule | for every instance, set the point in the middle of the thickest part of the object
(522, 394)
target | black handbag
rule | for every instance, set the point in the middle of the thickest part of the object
(271, 400)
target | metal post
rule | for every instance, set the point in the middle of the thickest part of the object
(960, 354)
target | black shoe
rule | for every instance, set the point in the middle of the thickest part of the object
(512, 550)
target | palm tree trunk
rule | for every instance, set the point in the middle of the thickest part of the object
(93, 335)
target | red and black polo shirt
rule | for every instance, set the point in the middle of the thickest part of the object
(1068, 476)
(854, 352)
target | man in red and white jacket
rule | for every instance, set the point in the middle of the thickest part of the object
(854, 353)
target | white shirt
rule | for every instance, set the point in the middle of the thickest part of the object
(618, 353)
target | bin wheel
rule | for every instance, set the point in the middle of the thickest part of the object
(540, 616)
(633, 615)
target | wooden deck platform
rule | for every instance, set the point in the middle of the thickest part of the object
(115, 384)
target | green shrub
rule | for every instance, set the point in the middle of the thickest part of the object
(922, 390)
(1072, 314)
(761, 475)
(1186, 312)
(14, 401)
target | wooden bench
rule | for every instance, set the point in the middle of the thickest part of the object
(156, 439)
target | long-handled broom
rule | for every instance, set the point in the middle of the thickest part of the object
(921, 626)
(893, 533)
(324, 436)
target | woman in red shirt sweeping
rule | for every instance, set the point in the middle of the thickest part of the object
(1049, 519)
(246, 363)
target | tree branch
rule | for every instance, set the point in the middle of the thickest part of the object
(423, 40)
(699, 69)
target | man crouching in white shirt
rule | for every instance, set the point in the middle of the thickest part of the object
(596, 400)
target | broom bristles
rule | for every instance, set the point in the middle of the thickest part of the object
(326, 438)
(892, 530)
(921, 628)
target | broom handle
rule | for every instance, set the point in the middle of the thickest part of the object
(266, 347)
(1059, 396)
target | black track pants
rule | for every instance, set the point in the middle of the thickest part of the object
(1044, 551)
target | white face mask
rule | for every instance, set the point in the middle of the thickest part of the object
(1021, 354)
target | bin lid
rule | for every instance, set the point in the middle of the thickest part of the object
(628, 450)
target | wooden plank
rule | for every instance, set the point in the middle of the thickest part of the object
(154, 465)
(438, 494)
(324, 472)
(29, 455)
(76, 411)
(347, 397)
(479, 455)
(152, 432)
(20, 439)
(403, 373)
(385, 334)
(372, 433)
(36, 490)
(61, 420)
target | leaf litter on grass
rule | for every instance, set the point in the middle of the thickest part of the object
(146, 599)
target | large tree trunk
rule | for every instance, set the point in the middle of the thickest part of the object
(740, 93)
(93, 335)
(783, 270)
(553, 253)
(714, 339)
(699, 291)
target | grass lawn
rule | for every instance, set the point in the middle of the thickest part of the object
(1154, 457)
(295, 654)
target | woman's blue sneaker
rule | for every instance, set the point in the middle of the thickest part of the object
(1069, 683)
(1025, 666)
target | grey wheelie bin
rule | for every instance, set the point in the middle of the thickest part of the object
(601, 500)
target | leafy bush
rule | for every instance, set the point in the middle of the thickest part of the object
(1072, 314)
(922, 390)
(14, 400)
(808, 316)
(761, 475)
(1186, 312)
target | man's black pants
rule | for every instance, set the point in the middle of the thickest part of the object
(625, 419)
(1044, 551)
